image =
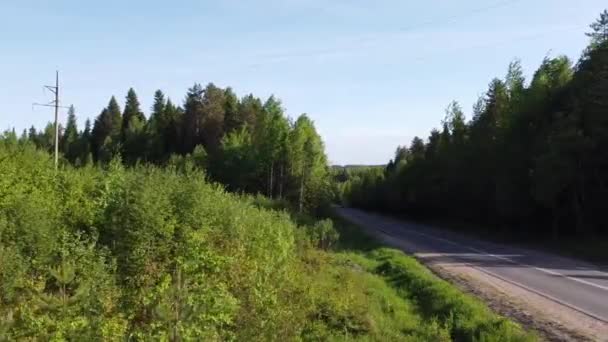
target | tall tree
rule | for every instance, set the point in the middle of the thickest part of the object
(85, 155)
(194, 115)
(307, 164)
(173, 118)
(237, 162)
(599, 33)
(270, 137)
(131, 114)
(156, 128)
(105, 135)
(250, 108)
(46, 138)
(69, 141)
(116, 117)
(531, 158)
(212, 128)
(133, 139)
(232, 116)
(33, 135)
(417, 149)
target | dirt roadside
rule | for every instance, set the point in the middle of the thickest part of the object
(552, 321)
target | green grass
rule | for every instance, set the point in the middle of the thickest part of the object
(352, 303)
(364, 291)
(461, 316)
(110, 254)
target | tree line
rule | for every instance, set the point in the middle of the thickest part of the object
(532, 158)
(247, 144)
(149, 253)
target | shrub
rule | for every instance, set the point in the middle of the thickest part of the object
(323, 234)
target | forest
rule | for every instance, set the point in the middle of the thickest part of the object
(144, 252)
(211, 220)
(208, 221)
(531, 160)
(247, 144)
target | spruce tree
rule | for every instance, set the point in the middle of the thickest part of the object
(132, 130)
(250, 108)
(106, 130)
(193, 118)
(131, 113)
(212, 125)
(115, 117)
(599, 34)
(69, 141)
(232, 119)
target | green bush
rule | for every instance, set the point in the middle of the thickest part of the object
(146, 253)
(323, 234)
(123, 247)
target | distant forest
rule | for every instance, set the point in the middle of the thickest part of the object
(247, 144)
(533, 157)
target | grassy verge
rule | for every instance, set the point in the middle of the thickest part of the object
(370, 292)
(461, 317)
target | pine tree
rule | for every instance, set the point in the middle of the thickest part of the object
(115, 117)
(212, 125)
(250, 108)
(158, 107)
(232, 119)
(417, 149)
(193, 119)
(23, 137)
(133, 139)
(69, 141)
(156, 128)
(47, 137)
(85, 142)
(32, 135)
(456, 124)
(106, 130)
(599, 34)
(173, 118)
(131, 113)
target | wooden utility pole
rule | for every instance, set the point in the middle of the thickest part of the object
(55, 104)
(56, 118)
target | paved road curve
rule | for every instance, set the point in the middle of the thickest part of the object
(575, 284)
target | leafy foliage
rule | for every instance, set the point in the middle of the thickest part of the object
(247, 145)
(532, 157)
(149, 253)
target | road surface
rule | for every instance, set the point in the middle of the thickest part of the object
(550, 281)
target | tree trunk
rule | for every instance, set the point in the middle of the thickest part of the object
(281, 182)
(270, 185)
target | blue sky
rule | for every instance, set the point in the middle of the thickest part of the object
(372, 74)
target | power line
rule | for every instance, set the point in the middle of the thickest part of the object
(55, 104)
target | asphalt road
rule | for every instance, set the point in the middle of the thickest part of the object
(572, 283)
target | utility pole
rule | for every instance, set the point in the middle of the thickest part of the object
(55, 104)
